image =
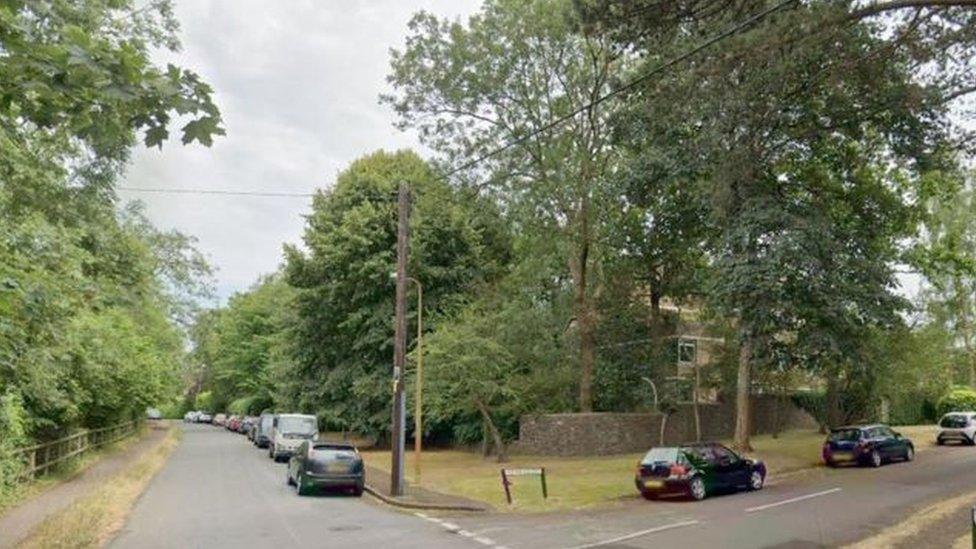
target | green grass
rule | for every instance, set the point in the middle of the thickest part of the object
(580, 482)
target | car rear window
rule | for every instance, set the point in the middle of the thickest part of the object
(334, 452)
(954, 421)
(845, 435)
(659, 455)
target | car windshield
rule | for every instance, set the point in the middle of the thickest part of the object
(295, 425)
(659, 455)
(845, 435)
(954, 420)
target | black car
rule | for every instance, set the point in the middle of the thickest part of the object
(696, 470)
(866, 445)
(326, 465)
(262, 430)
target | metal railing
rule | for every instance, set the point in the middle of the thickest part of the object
(40, 458)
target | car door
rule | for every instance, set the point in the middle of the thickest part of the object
(889, 444)
(730, 468)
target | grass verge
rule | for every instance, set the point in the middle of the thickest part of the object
(64, 472)
(915, 524)
(580, 482)
(92, 520)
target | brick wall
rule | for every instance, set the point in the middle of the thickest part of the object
(605, 433)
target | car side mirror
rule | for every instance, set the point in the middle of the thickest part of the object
(898, 436)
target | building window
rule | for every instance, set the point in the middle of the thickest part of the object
(687, 352)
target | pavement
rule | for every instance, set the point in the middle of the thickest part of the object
(18, 522)
(219, 491)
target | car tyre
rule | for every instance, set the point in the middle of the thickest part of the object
(300, 486)
(696, 489)
(289, 480)
(939, 442)
(358, 491)
(650, 496)
(971, 440)
(832, 464)
(756, 480)
(874, 460)
(909, 453)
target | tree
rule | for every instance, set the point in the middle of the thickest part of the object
(508, 74)
(805, 126)
(341, 343)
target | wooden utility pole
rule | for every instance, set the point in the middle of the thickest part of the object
(399, 341)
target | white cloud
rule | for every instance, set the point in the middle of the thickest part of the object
(297, 82)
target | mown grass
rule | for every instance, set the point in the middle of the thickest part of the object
(63, 472)
(93, 519)
(581, 482)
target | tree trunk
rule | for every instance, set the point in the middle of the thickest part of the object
(742, 397)
(834, 413)
(496, 436)
(664, 427)
(695, 397)
(586, 322)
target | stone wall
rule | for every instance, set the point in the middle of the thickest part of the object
(605, 433)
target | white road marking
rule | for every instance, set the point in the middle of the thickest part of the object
(792, 500)
(637, 534)
(455, 529)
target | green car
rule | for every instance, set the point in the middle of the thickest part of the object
(696, 470)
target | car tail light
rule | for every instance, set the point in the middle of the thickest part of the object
(678, 470)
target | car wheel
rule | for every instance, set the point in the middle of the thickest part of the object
(971, 440)
(755, 481)
(832, 464)
(875, 459)
(939, 442)
(358, 490)
(909, 453)
(696, 489)
(288, 479)
(649, 495)
(300, 485)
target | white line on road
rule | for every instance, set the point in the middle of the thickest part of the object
(455, 529)
(637, 534)
(792, 500)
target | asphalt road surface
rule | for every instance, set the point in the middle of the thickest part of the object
(218, 491)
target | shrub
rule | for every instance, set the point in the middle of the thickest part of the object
(959, 399)
(12, 436)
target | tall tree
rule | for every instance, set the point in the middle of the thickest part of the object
(510, 72)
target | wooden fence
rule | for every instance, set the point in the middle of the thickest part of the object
(40, 458)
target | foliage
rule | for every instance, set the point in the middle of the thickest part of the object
(340, 345)
(959, 399)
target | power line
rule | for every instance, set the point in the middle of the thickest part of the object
(215, 191)
(628, 86)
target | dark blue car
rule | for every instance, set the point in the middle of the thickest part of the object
(866, 445)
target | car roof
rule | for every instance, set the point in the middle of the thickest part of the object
(295, 415)
(959, 414)
(859, 427)
(336, 445)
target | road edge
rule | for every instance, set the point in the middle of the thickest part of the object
(420, 506)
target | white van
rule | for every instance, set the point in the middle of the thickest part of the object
(288, 431)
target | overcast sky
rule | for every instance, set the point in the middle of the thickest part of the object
(297, 82)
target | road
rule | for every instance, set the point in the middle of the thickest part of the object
(218, 491)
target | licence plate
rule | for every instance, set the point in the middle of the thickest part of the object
(842, 456)
(653, 484)
(336, 468)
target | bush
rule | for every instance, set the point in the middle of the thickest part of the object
(12, 436)
(959, 399)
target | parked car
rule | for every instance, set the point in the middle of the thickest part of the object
(191, 417)
(246, 424)
(866, 445)
(696, 470)
(262, 430)
(232, 423)
(204, 417)
(958, 426)
(220, 420)
(316, 465)
(288, 431)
